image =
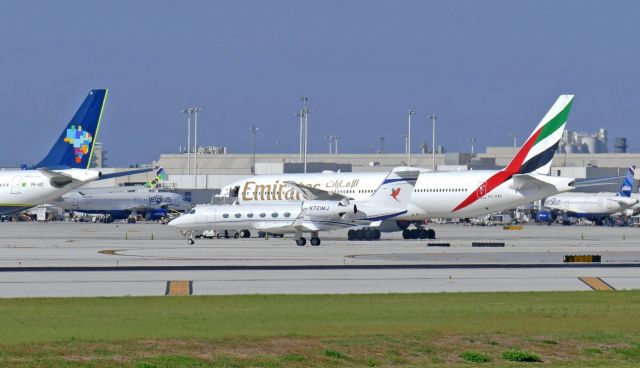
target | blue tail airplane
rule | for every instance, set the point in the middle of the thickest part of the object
(65, 167)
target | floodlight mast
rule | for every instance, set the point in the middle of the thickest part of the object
(195, 111)
(515, 136)
(409, 114)
(304, 121)
(433, 143)
(473, 144)
(189, 112)
(254, 131)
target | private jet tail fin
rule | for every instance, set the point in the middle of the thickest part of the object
(536, 153)
(395, 190)
(627, 184)
(74, 147)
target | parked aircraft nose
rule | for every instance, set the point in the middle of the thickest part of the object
(178, 221)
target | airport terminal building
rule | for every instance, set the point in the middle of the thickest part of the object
(212, 171)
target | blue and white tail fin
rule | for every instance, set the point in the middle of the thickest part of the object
(396, 190)
(74, 147)
(627, 184)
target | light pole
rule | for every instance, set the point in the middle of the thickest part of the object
(404, 137)
(473, 143)
(381, 144)
(433, 142)
(336, 138)
(409, 114)
(330, 140)
(195, 111)
(253, 131)
(515, 136)
(188, 111)
(305, 118)
(300, 115)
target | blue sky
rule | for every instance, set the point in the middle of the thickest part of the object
(486, 68)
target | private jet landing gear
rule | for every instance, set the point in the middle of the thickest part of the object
(245, 234)
(301, 242)
(419, 233)
(315, 241)
(190, 239)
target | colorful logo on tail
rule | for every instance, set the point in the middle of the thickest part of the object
(80, 141)
(395, 193)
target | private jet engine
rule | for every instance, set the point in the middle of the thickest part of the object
(330, 209)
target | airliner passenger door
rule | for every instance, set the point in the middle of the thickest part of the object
(15, 184)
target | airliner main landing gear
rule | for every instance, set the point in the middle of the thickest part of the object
(419, 233)
(366, 233)
(301, 242)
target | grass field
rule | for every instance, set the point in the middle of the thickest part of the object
(572, 329)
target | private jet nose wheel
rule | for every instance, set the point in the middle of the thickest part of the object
(301, 242)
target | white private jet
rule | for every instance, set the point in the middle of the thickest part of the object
(307, 216)
(65, 167)
(438, 194)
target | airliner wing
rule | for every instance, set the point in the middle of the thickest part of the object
(311, 193)
(57, 179)
(525, 182)
(623, 201)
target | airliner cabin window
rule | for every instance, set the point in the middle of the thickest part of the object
(275, 214)
(237, 215)
(226, 215)
(287, 214)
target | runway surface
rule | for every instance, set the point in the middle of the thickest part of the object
(83, 259)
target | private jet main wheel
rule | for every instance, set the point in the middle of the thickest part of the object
(376, 234)
(351, 235)
(423, 234)
(301, 242)
(315, 241)
(190, 241)
(431, 234)
(368, 234)
(246, 234)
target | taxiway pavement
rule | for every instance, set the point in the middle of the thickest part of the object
(139, 259)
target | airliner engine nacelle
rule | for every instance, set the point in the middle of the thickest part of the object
(329, 209)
